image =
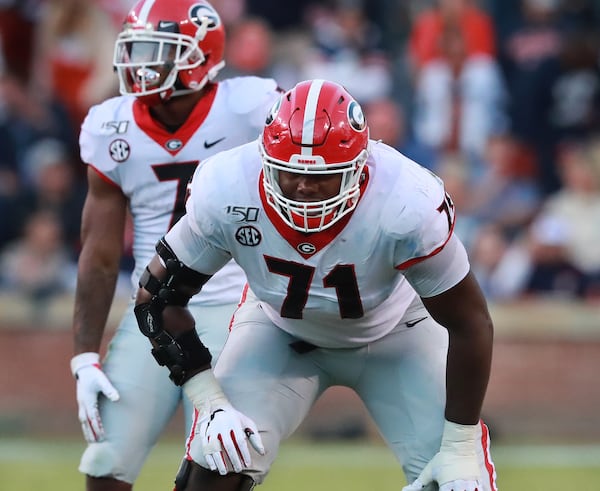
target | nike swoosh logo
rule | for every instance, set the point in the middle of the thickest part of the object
(165, 25)
(212, 144)
(415, 322)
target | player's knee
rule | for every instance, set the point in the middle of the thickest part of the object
(193, 477)
(101, 460)
(413, 465)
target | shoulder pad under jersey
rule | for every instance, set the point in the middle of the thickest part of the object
(103, 124)
(226, 170)
(418, 212)
(99, 117)
(246, 94)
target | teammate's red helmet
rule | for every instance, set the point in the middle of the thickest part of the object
(169, 48)
(316, 128)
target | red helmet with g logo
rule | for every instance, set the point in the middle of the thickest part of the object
(317, 128)
(169, 48)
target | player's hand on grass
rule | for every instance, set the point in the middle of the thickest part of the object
(91, 381)
(224, 432)
(455, 467)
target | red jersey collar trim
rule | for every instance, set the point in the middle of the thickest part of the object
(156, 131)
(307, 244)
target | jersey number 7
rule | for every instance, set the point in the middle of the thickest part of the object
(181, 172)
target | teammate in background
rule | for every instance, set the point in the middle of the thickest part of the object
(142, 149)
(356, 279)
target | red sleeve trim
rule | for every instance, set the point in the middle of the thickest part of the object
(104, 177)
(416, 260)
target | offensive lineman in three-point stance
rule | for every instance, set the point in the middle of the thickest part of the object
(356, 279)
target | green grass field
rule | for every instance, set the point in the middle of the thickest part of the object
(28, 465)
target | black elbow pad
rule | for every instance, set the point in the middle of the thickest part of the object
(182, 354)
(180, 284)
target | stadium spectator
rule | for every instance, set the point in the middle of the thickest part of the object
(10, 184)
(503, 186)
(574, 87)
(116, 9)
(576, 206)
(453, 169)
(38, 264)
(25, 120)
(249, 48)
(460, 98)
(233, 11)
(551, 272)
(282, 17)
(394, 22)
(388, 123)
(253, 48)
(536, 264)
(26, 117)
(528, 56)
(74, 48)
(425, 43)
(18, 23)
(500, 263)
(51, 183)
(346, 48)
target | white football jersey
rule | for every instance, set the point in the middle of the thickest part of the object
(343, 286)
(153, 166)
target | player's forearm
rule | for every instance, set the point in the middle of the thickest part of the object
(163, 317)
(174, 319)
(467, 373)
(93, 299)
(463, 311)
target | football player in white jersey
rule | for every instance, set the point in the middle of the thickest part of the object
(356, 279)
(142, 149)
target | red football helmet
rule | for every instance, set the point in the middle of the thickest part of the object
(316, 128)
(169, 48)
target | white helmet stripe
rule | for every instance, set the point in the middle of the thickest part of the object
(145, 11)
(308, 126)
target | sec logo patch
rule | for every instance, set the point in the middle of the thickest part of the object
(248, 236)
(119, 150)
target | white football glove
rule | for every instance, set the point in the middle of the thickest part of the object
(455, 466)
(223, 430)
(91, 381)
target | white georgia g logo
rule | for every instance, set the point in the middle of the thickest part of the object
(200, 10)
(356, 117)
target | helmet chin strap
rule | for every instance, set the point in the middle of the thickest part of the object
(156, 98)
(203, 29)
(179, 89)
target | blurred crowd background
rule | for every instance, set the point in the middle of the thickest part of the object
(500, 98)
